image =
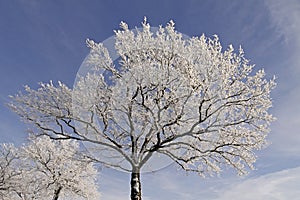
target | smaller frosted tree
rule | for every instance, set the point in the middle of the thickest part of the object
(51, 170)
(9, 172)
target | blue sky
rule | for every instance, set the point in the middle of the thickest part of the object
(45, 40)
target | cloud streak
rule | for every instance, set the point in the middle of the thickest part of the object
(285, 20)
(281, 185)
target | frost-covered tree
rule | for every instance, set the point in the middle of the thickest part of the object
(187, 99)
(47, 169)
(59, 170)
(9, 172)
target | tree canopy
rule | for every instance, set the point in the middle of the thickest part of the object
(188, 99)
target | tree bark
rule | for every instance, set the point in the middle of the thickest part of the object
(135, 182)
(56, 193)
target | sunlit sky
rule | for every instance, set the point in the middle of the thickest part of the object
(45, 40)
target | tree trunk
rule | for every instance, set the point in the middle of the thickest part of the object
(135, 182)
(56, 193)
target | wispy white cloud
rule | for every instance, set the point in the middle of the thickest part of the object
(179, 185)
(283, 185)
(285, 20)
(285, 17)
